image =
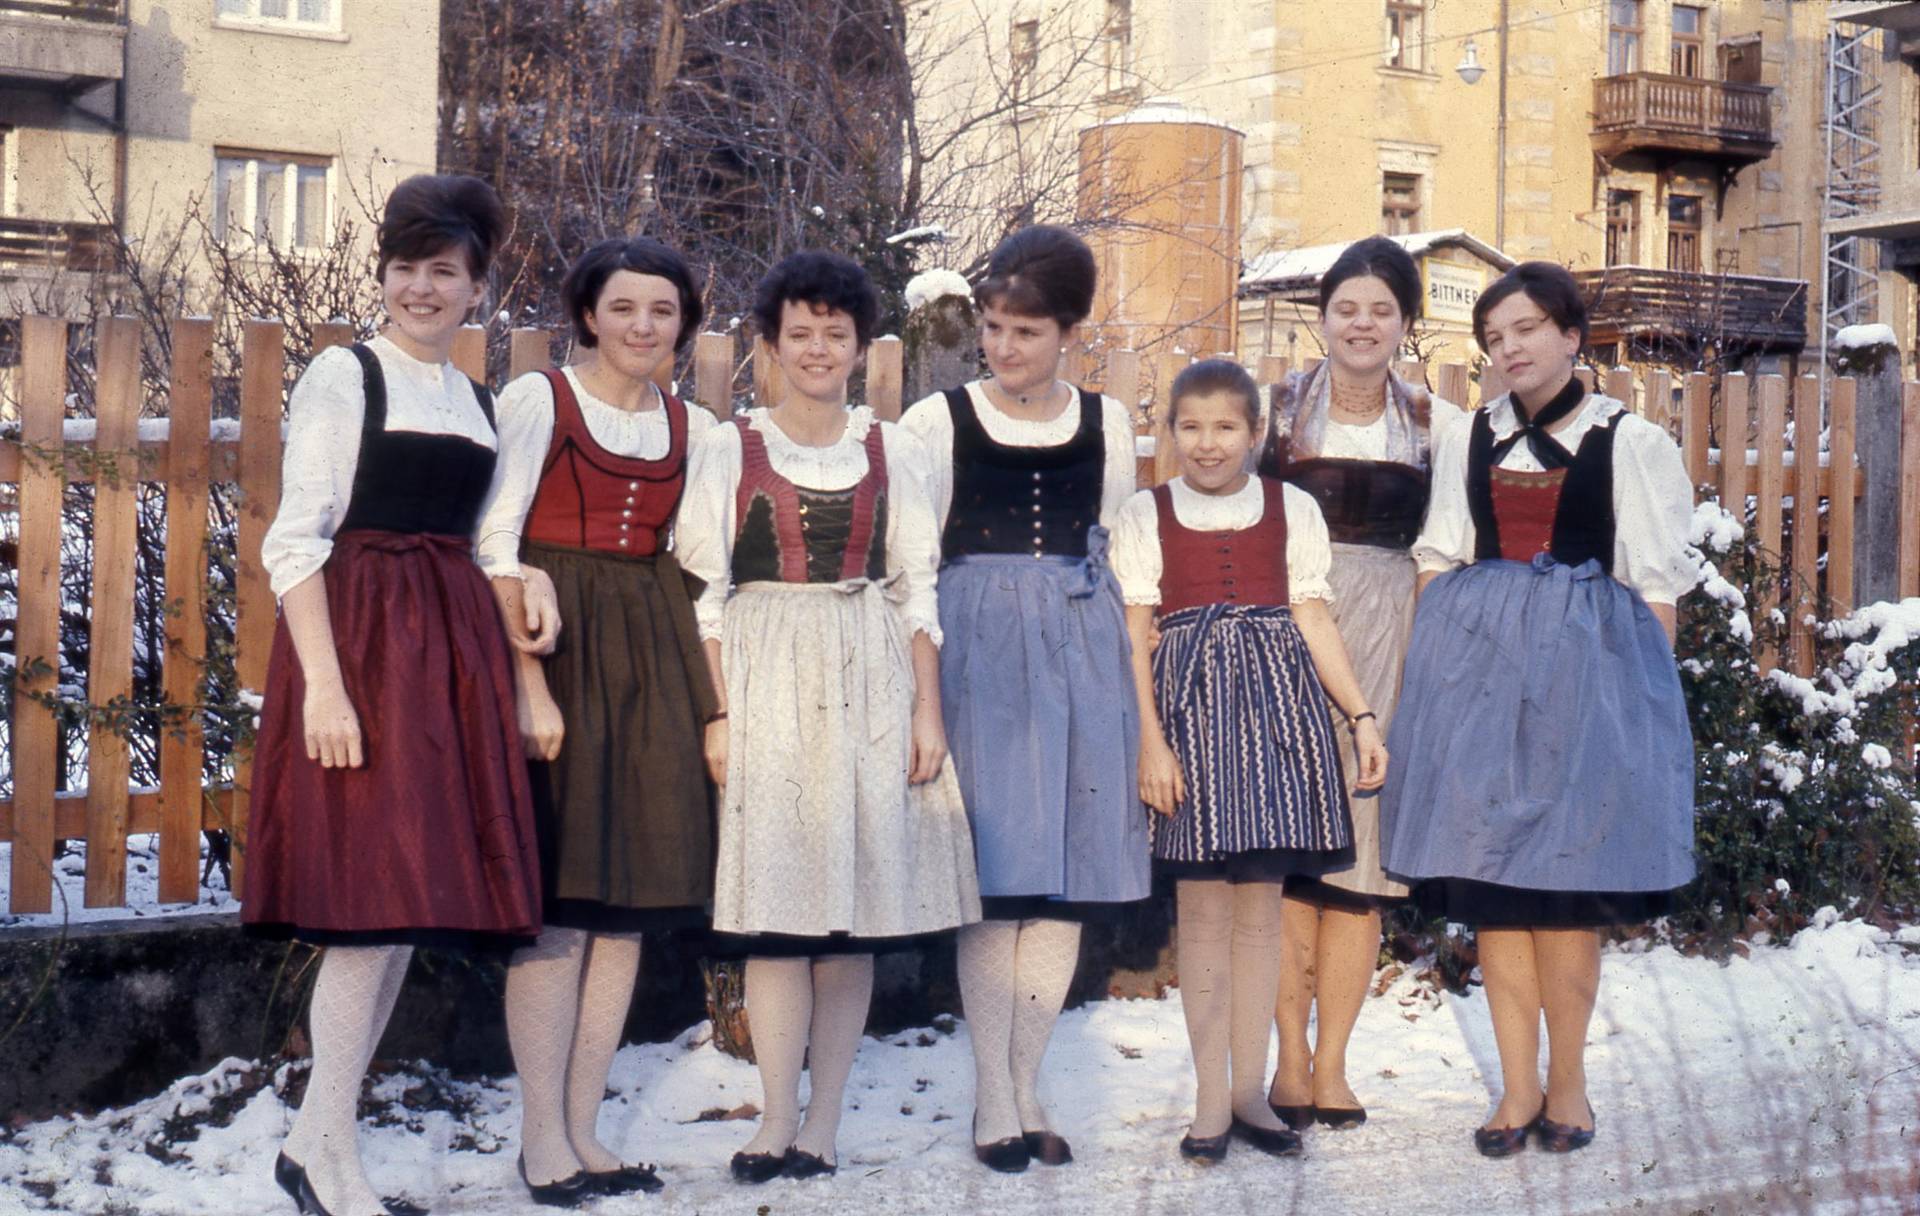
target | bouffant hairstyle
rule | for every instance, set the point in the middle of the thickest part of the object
(430, 213)
(587, 279)
(1382, 258)
(815, 277)
(1548, 285)
(1215, 376)
(1042, 271)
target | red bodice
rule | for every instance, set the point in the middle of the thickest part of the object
(800, 535)
(1247, 566)
(590, 498)
(1525, 505)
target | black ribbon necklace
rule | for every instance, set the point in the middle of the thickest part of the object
(1550, 452)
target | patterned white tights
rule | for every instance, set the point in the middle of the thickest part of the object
(794, 1004)
(1014, 977)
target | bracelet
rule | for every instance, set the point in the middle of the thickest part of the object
(1356, 719)
(719, 717)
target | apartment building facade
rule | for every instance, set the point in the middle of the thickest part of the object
(268, 119)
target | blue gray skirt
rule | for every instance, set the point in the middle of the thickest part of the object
(1037, 687)
(1542, 763)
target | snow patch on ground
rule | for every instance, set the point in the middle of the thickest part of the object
(1787, 1081)
(143, 891)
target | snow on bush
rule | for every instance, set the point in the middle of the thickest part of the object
(931, 285)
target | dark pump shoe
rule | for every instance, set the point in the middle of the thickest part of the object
(1506, 1141)
(802, 1164)
(1339, 1119)
(625, 1180)
(1564, 1137)
(1009, 1156)
(1299, 1118)
(757, 1167)
(1280, 1142)
(568, 1192)
(1207, 1150)
(1047, 1148)
(291, 1178)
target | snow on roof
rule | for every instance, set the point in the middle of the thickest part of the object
(1859, 337)
(1164, 110)
(1290, 269)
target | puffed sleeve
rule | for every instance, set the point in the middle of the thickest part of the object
(703, 531)
(700, 420)
(1309, 552)
(1136, 549)
(930, 421)
(1446, 539)
(525, 414)
(913, 538)
(324, 416)
(1653, 512)
(1123, 461)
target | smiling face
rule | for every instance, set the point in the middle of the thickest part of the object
(817, 348)
(428, 299)
(1023, 352)
(635, 323)
(1533, 355)
(1212, 436)
(1363, 326)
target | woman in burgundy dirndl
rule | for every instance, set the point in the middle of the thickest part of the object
(390, 798)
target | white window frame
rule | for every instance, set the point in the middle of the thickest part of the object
(251, 17)
(9, 169)
(288, 165)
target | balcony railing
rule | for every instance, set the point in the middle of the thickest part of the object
(84, 10)
(1682, 116)
(53, 245)
(1733, 310)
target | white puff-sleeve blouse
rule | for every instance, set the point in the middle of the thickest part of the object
(705, 527)
(931, 420)
(1136, 539)
(525, 411)
(1652, 497)
(324, 416)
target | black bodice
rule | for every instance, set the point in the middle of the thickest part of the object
(1023, 500)
(826, 528)
(1365, 502)
(409, 482)
(1583, 520)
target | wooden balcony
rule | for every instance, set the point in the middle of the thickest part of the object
(1745, 312)
(1682, 118)
(69, 45)
(51, 245)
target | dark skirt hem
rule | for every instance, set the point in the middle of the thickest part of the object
(1258, 865)
(463, 940)
(787, 945)
(1490, 905)
(1048, 907)
(596, 917)
(1310, 889)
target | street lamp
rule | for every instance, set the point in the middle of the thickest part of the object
(1469, 68)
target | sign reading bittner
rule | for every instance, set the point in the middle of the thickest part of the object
(1451, 290)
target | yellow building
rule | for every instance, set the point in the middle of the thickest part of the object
(267, 117)
(1673, 154)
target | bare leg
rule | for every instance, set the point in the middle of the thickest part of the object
(1348, 950)
(985, 953)
(543, 1007)
(1299, 946)
(1513, 998)
(1568, 961)
(345, 1019)
(842, 992)
(606, 991)
(1044, 962)
(1256, 981)
(779, 1013)
(1203, 929)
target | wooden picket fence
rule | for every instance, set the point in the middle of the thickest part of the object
(190, 461)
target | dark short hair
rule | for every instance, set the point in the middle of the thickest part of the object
(430, 213)
(814, 276)
(1042, 271)
(587, 279)
(1215, 376)
(1548, 284)
(1381, 258)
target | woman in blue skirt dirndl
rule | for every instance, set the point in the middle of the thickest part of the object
(1542, 785)
(1028, 473)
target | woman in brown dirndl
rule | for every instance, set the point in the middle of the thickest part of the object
(390, 799)
(593, 461)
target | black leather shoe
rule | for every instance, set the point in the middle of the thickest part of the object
(802, 1164)
(290, 1177)
(1047, 1148)
(1009, 1156)
(1205, 1149)
(625, 1180)
(1280, 1142)
(568, 1192)
(1340, 1119)
(1564, 1137)
(757, 1167)
(1505, 1141)
(1299, 1118)
(402, 1207)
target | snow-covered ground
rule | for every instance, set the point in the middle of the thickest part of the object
(143, 890)
(1786, 1082)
